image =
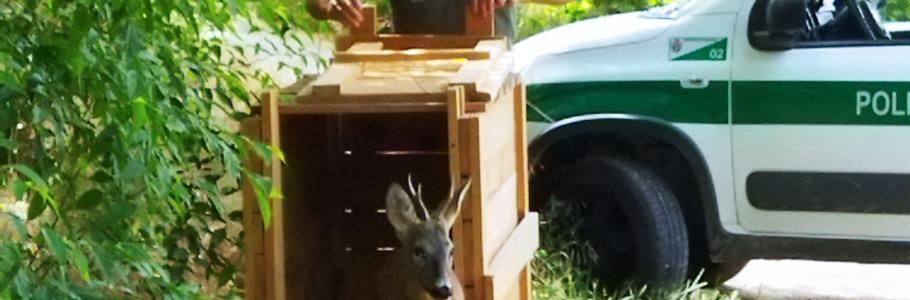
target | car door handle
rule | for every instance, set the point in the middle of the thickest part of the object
(694, 83)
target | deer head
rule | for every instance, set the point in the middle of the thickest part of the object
(426, 247)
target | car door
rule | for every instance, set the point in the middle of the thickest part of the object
(821, 136)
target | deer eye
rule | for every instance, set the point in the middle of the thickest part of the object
(419, 252)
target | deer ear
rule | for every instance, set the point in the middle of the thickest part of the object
(448, 210)
(399, 209)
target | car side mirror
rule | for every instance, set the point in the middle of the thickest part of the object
(765, 40)
(786, 23)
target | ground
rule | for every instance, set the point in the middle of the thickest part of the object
(798, 279)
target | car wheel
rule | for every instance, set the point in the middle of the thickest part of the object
(632, 221)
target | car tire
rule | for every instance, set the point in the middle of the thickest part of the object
(632, 221)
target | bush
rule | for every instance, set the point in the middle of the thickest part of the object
(109, 131)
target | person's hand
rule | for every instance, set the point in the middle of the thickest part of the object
(347, 12)
(485, 8)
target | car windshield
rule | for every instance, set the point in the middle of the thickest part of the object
(666, 11)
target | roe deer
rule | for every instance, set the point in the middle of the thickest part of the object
(426, 250)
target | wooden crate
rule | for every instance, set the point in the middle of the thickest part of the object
(389, 106)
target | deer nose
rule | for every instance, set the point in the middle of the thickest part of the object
(444, 291)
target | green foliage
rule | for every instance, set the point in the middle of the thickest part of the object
(898, 10)
(534, 18)
(560, 268)
(109, 130)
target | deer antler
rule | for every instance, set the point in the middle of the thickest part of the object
(418, 194)
(451, 187)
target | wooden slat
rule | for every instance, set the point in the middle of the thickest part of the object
(521, 162)
(454, 112)
(495, 47)
(476, 24)
(401, 42)
(410, 55)
(375, 99)
(500, 218)
(329, 83)
(295, 87)
(274, 234)
(253, 269)
(497, 144)
(365, 47)
(385, 107)
(521, 147)
(470, 163)
(470, 75)
(254, 286)
(498, 79)
(368, 26)
(516, 253)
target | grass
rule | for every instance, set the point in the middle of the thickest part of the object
(559, 270)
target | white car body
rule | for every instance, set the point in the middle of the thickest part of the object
(837, 111)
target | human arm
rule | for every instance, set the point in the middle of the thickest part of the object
(348, 12)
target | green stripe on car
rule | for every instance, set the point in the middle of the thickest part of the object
(661, 99)
(821, 102)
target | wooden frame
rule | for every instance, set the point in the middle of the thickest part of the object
(464, 97)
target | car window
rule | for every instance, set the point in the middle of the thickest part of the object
(779, 25)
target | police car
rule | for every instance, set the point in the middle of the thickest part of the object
(705, 133)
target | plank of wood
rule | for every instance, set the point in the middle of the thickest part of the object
(497, 79)
(274, 234)
(454, 112)
(477, 24)
(329, 83)
(500, 218)
(298, 85)
(365, 47)
(410, 41)
(498, 128)
(521, 161)
(410, 55)
(396, 86)
(514, 255)
(521, 147)
(469, 160)
(469, 76)
(382, 107)
(253, 231)
(368, 25)
(495, 47)
(524, 283)
(370, 99)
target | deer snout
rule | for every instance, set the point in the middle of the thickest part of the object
(442, 291)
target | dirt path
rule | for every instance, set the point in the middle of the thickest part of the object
(798, 279)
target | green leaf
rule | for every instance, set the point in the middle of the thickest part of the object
(101, 176)
(263, 186)
(7, 143)
(56, 243)
(90, 199)
(78, 258)
(103, 261)
(20, 228)
(11, 261)
(32, 176)
(140, 115)
(36, 207)
(19, 189)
